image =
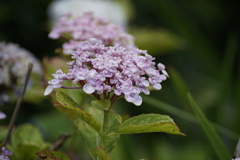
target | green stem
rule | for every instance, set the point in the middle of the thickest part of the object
(104, 127)
(105, 121)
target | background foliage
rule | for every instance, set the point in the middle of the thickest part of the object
(198, 41)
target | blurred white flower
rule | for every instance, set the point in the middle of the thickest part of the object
(111, 10)
(13, 67)
(80, 28)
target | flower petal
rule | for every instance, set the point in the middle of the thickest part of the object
(145, 91)
(145, 83)
(157, 86)
(137, 100)
(165, 73)
(88, 89)
(161, 66)
(48, 90)
(129, 97)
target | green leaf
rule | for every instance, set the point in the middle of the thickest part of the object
(52, 155)
(113, 123)
(101, 153)
(164, 40)
(26, 140)
(27, 134)
(69, 107)
(146, 123)
(26, 151)
(96, 110)
(111, 139)
(65, 99)
(91, 137)
(212, 135)
(3, 133)
(105, 104)
(78, 95)
(115, 120)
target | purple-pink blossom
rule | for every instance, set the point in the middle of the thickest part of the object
(76, 29)
(5, 153)
(2, 115)
(108, 72)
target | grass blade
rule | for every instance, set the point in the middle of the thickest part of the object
(210, 132)
(187, 116)
(179, 87)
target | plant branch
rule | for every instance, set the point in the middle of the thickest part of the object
(59, 142)
(18, 105)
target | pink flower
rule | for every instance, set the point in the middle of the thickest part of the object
(5, 153)
(111, 71)
(77, 29)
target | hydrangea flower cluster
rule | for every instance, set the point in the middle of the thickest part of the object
(13, 67)
(110, 71)
(77, 29)
(4, 154)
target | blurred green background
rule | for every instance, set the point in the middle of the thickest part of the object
(197, 40)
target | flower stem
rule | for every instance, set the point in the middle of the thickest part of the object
(105, 121)
(104, 127)
(72, 87)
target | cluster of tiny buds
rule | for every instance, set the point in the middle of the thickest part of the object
(111, 71)
(76, 29)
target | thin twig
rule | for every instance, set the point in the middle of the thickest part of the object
(18, 105)
(59, 142)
